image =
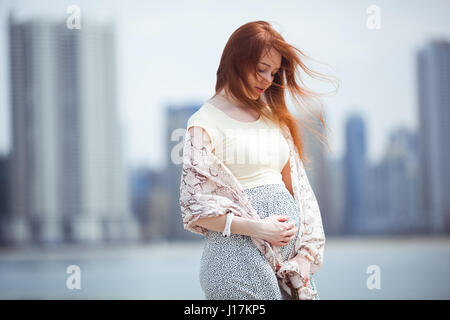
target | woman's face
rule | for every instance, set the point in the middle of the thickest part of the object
(266, 68)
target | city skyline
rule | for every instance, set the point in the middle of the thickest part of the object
(69, 180)
(377, 67)
(92, 128)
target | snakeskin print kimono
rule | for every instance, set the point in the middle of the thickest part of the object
(208, 188)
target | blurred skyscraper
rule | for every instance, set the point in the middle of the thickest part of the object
(334, 220)
(434, 118)
(69, 179)
(400, 181)
(5, 198)
(377, 194)
(150, 203)
(355, 167)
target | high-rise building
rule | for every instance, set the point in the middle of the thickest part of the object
(402, 200)
(377, 205)
(5, 199)
(433, 62)
(355, 165)
(333, 219)
(69, 180)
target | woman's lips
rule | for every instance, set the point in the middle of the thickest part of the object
(259, 90)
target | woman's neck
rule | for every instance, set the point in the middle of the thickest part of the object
(228, 101)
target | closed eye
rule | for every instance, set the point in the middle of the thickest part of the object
(273, 74)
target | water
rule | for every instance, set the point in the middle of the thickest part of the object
(410, 268)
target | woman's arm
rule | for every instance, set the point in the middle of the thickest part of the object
(286, 176)
(273, 229)
(239, 225)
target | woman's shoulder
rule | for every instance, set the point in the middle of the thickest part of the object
(205, 118)
(204, 115)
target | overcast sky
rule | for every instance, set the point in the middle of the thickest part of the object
(169, 52)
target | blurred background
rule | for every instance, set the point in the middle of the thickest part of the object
(94, 99)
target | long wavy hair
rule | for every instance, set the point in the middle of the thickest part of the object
(240, 57)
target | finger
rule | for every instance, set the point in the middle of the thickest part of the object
(289, 227)
(288, 234)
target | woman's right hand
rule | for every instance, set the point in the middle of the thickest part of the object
(276, 231)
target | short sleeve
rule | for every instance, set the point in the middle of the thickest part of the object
(197, 122)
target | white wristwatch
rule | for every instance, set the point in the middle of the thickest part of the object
(227, 229)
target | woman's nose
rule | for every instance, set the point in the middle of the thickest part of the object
(267, 78)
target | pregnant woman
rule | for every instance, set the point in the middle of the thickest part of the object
(243, 184)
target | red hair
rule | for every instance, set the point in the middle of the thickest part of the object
(240, 57)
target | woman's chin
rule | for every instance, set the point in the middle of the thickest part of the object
(256, 96)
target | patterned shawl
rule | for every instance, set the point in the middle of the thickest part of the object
(208, 188)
